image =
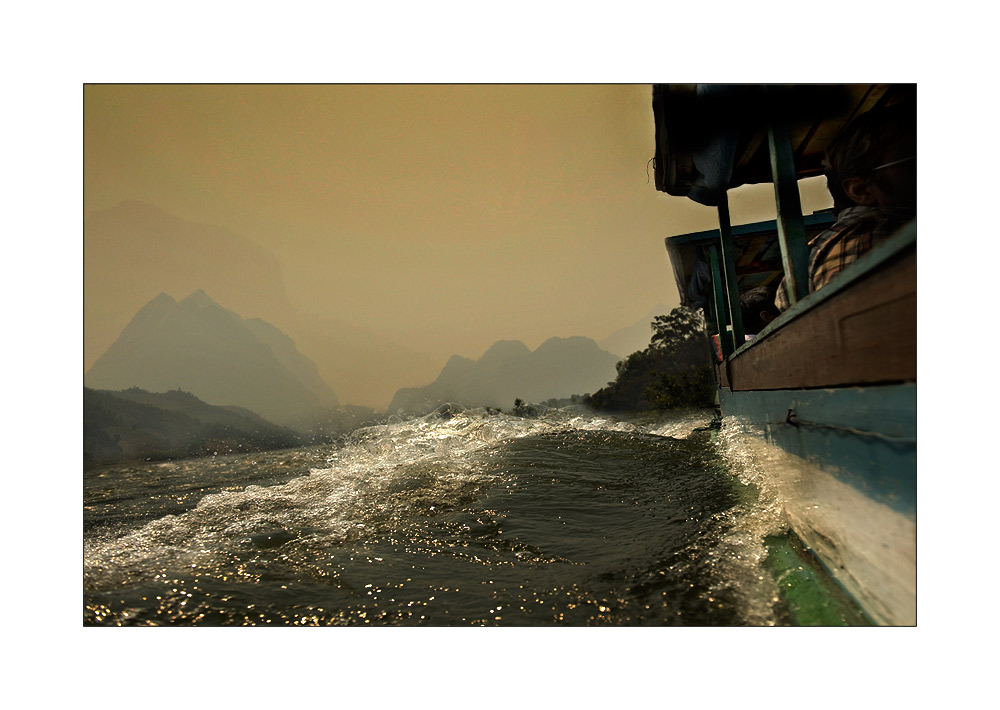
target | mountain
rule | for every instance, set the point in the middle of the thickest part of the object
(135, 424)
(134, 251)
(633, 338)
(198, 346)
(509, 370)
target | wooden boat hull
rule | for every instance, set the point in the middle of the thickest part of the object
(826, 397)
(829, 392)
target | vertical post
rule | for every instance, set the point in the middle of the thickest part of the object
(725, 339)
(791, 231)
(729, 263)
(711, 316)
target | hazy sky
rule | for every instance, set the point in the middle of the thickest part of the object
(447, 216)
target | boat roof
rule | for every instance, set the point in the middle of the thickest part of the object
(711, 138)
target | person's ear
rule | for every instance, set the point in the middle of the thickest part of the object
(858, 189)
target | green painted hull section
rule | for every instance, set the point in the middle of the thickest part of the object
(864, 436)
(809, 595)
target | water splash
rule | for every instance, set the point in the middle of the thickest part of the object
(460, 517)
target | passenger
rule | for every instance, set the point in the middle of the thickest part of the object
(872, 176)
(757, 309)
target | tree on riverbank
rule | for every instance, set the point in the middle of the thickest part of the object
(675, 371)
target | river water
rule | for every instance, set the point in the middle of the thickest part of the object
(459, 518)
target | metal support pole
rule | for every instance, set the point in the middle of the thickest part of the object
(729, 263)
(725, 340)
(791, 231)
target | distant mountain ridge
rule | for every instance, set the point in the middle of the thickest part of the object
(509, 370)
(198, 346)
(134, 250)
(135, 424)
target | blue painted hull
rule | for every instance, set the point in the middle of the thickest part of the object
(866, 436)
(842, 462)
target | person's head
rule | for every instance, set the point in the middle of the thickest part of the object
(757, 309)
(873, 161)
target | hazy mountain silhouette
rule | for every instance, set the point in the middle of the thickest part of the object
(135, 424)
(198, 346)
(559, 368)
(134, 251)
(633, 338)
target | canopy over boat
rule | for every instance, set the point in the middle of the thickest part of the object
(713, 137)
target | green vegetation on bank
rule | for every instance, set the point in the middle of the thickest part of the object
(674, 372)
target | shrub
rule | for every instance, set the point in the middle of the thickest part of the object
(674, 371)
(694, 388)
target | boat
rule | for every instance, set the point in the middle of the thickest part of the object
(826, 393)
